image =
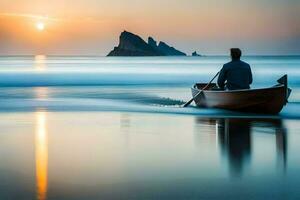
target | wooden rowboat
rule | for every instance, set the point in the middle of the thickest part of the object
(265, 100)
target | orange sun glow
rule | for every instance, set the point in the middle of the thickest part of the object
(40, 26)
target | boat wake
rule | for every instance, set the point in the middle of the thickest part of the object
(159, 106)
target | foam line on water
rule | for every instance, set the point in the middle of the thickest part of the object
(92, 78)
(292, 111)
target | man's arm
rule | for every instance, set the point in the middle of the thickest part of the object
(250, 76)
(222, 78)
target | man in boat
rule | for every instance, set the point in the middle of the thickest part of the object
(235, 75)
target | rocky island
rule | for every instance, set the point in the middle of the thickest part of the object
(133, 45)
(195, 54)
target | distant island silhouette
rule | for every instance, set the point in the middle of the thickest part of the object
(195, 54)
(133, 45)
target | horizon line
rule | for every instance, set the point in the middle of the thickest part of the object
(96, 55)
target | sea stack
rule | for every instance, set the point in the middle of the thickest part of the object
(152, 42)
(195, 54)
(133, 45)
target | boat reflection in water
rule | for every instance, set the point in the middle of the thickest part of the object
(235, 140)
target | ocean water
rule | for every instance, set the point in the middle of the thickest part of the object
(147, 84)
(112, 128)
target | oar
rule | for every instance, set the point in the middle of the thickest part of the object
(190, 101)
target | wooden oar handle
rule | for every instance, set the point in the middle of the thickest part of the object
(207, 85)
(190, 101)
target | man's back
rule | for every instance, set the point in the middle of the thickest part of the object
(237, 74)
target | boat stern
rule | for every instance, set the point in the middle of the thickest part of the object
(284, 81)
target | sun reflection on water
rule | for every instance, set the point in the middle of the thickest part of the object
(41, 93)
(40, 62)
(41, 155)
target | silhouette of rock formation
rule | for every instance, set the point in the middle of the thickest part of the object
(195, 54)
(133, 45)
(152, 42)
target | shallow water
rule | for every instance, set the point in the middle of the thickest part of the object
(112, 128)
(96, 155)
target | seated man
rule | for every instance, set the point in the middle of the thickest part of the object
(235, 75)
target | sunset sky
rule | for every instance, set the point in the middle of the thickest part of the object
(92, 27)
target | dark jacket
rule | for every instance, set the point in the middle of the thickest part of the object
(235, 75)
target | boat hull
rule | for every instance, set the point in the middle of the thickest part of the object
(266, 100)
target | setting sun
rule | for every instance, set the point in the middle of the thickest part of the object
(40, 26)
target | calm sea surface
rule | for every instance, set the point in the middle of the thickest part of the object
(112, 128)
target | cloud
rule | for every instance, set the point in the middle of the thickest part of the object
(25, 15)
(48, 18)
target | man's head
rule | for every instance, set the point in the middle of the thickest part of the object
(236, 53)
